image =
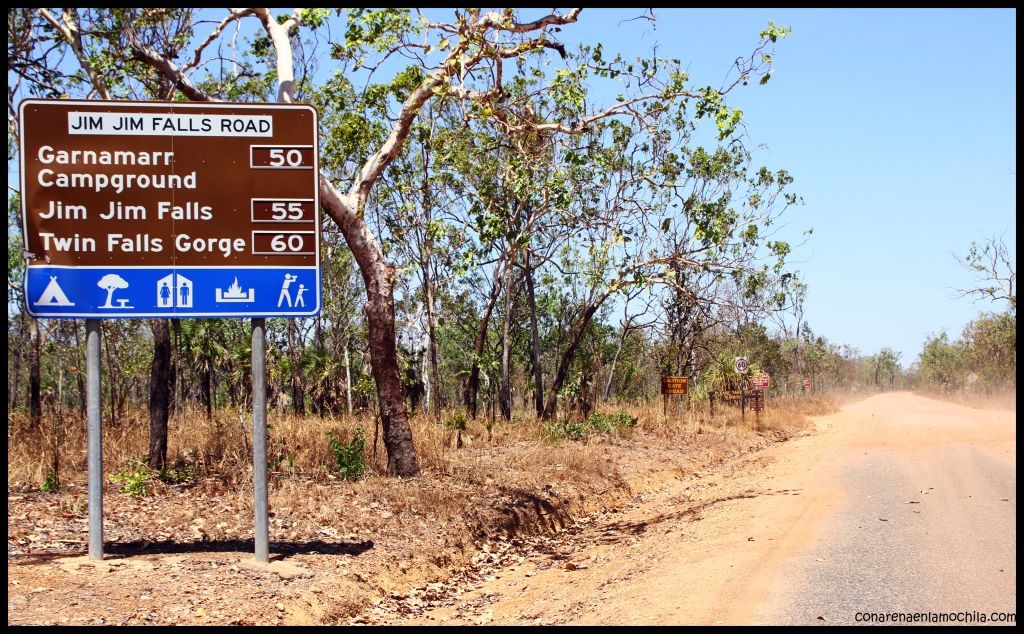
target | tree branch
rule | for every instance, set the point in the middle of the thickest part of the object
(279, 36)
(73, 36)
(235, 14)
(495, 21)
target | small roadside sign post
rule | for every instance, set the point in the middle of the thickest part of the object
(740, 366)
(757, 404)
(170, 210)
(673, 386)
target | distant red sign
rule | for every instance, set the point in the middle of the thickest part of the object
(807, 384)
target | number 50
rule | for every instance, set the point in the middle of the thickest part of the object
(281, 158)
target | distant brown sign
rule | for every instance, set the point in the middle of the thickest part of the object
(198, 191)
(673, 385)
(756, 400)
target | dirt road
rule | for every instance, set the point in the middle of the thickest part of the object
(898, 504)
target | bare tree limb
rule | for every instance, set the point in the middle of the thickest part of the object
(235, 14)
(73, 35)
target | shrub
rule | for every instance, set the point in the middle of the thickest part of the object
(456, 421)
(567, 428)
(598, 422)
(348, 457)
(177, 474)
(617, 423)
(51, 483)
(134, 479)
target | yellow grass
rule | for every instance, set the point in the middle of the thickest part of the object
(298, 447)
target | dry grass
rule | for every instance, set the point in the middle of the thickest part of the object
(512, 480)
(521, 453)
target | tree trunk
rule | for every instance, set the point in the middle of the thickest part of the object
(159, 393)
(473, 386)
(378, 277)
(435, 375)
(34, 380)
(426, 252)
(505, 393)
(15, 386)
(348, 378)
(298, 392)
(175, 368)
(615, 359)
(112, 383)
(567, 358)
(380, 320)
(206, 386)
(538, 375)
(80, 374)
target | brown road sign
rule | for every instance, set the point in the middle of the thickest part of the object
(756, 400)
(155, 209)
(673, 385)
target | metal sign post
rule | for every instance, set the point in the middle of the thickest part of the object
(95, 437)
(259, 438)
(161, 210)
(673, 386)
(743, 401)
(740, 366)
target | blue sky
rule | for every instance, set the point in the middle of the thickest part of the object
(900, 129)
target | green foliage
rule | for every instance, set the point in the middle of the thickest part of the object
(348, 456)
(887, 365)
(52, 483)
(617, 424)
(314, 18)
(456, 421)
(177, 474)
(983, 358)
(773, 33)
(940, 363)
(568, 428)
(990, 349)
(134, 480)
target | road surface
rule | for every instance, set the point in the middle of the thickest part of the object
(898, 504)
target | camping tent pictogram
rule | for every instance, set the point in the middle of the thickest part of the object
(53, 295)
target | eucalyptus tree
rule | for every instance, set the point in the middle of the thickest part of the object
(995, 268)
(655, 209)
(41, 45)
(990, 349)
(887, 362)
(464, 60)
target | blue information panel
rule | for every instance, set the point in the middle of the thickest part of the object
(151, 209)
(104, 293)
